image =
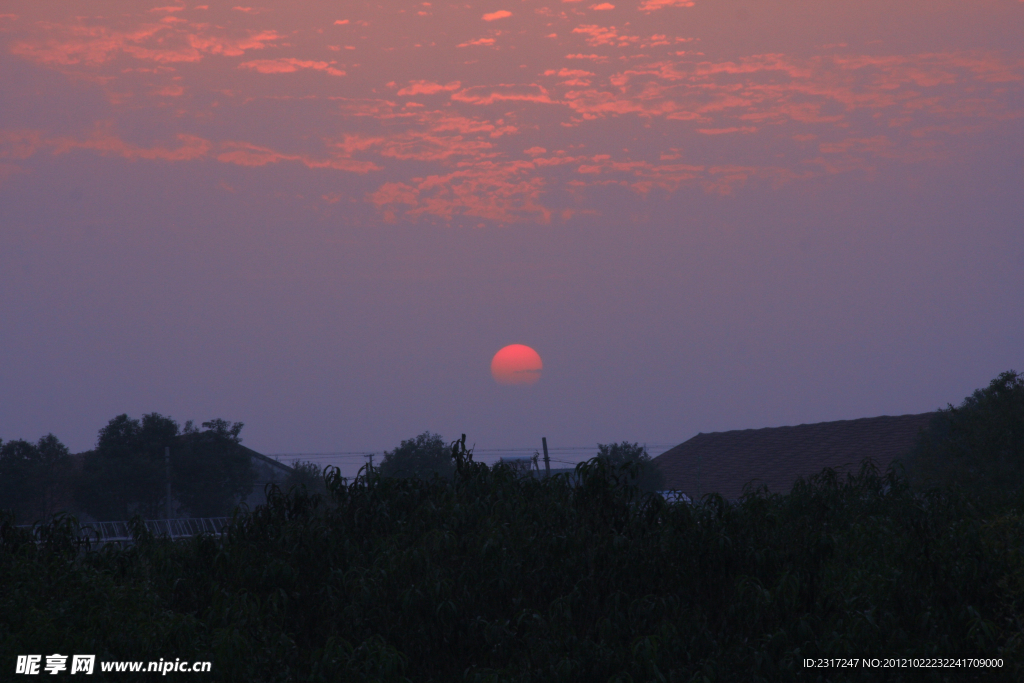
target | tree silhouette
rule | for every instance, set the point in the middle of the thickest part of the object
(420, 456)
(978, 445)
(126, 474)
(648, 477)
(35, 478)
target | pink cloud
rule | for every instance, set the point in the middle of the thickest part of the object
(494, 16)
(107, 144)
(502, 192)
(340, 22)
(723, 131)
(161, 43)
(478, 41)
(247, 154)
(489, 94)
(603, 6)
(857, 108)
(233, 47)
(644, 176)
(286, 65)
(19, 144)
(604, 35)
(170, 91)
(427, 88)
(568, 73)
(433, 139)
(464, 125)
(652, 5)
(423, 146)
(593, 103)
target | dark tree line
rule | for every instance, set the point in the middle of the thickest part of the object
(36, 479)
(977, 446)
(427, 455)
(493, 576)
(126, 473)
(487, 575)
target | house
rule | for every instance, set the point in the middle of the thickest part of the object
(268, 471)
(724, 462)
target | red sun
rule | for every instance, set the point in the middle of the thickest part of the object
(516, 364)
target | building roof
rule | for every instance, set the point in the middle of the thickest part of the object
(273, 464)
(724, 462)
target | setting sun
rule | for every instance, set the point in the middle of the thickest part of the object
(516, 364)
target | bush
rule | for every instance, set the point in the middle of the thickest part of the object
(421, 456)
(489, 576)
(978, 445)
(126, 474)
(307, 475)
(644, 473)
(35, 478)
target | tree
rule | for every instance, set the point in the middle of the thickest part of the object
(978, 445)
(420, 456)
(648, 478)
(210, 471)
(35, 478)
(126, 474)
(306, 475)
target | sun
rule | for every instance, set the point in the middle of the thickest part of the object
(516, 364)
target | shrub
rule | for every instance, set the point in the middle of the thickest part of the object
(420, 456)
(490, 576)
(647, 476)
(978, 445)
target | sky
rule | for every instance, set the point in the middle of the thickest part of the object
(324, 219)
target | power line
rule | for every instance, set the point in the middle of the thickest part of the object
(348, 460)
(512, 449)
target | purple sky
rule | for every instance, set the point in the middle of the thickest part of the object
(323, 222)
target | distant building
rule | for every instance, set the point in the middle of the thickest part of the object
(724, 462)
(522, 463)
(268, 471)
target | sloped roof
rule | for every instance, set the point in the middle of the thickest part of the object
(78, 458)
(778, 456)
(274, 464)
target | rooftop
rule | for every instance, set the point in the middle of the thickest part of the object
(724, 462)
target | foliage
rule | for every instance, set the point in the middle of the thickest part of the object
(307, 475)
(490, 576)
(126, 474)
(978, 445)
(421, 456)
(648, 477)
(35, 478)
(210, 471)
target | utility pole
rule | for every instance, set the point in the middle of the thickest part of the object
(547, 460)
(167, 463)
(370, 457)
